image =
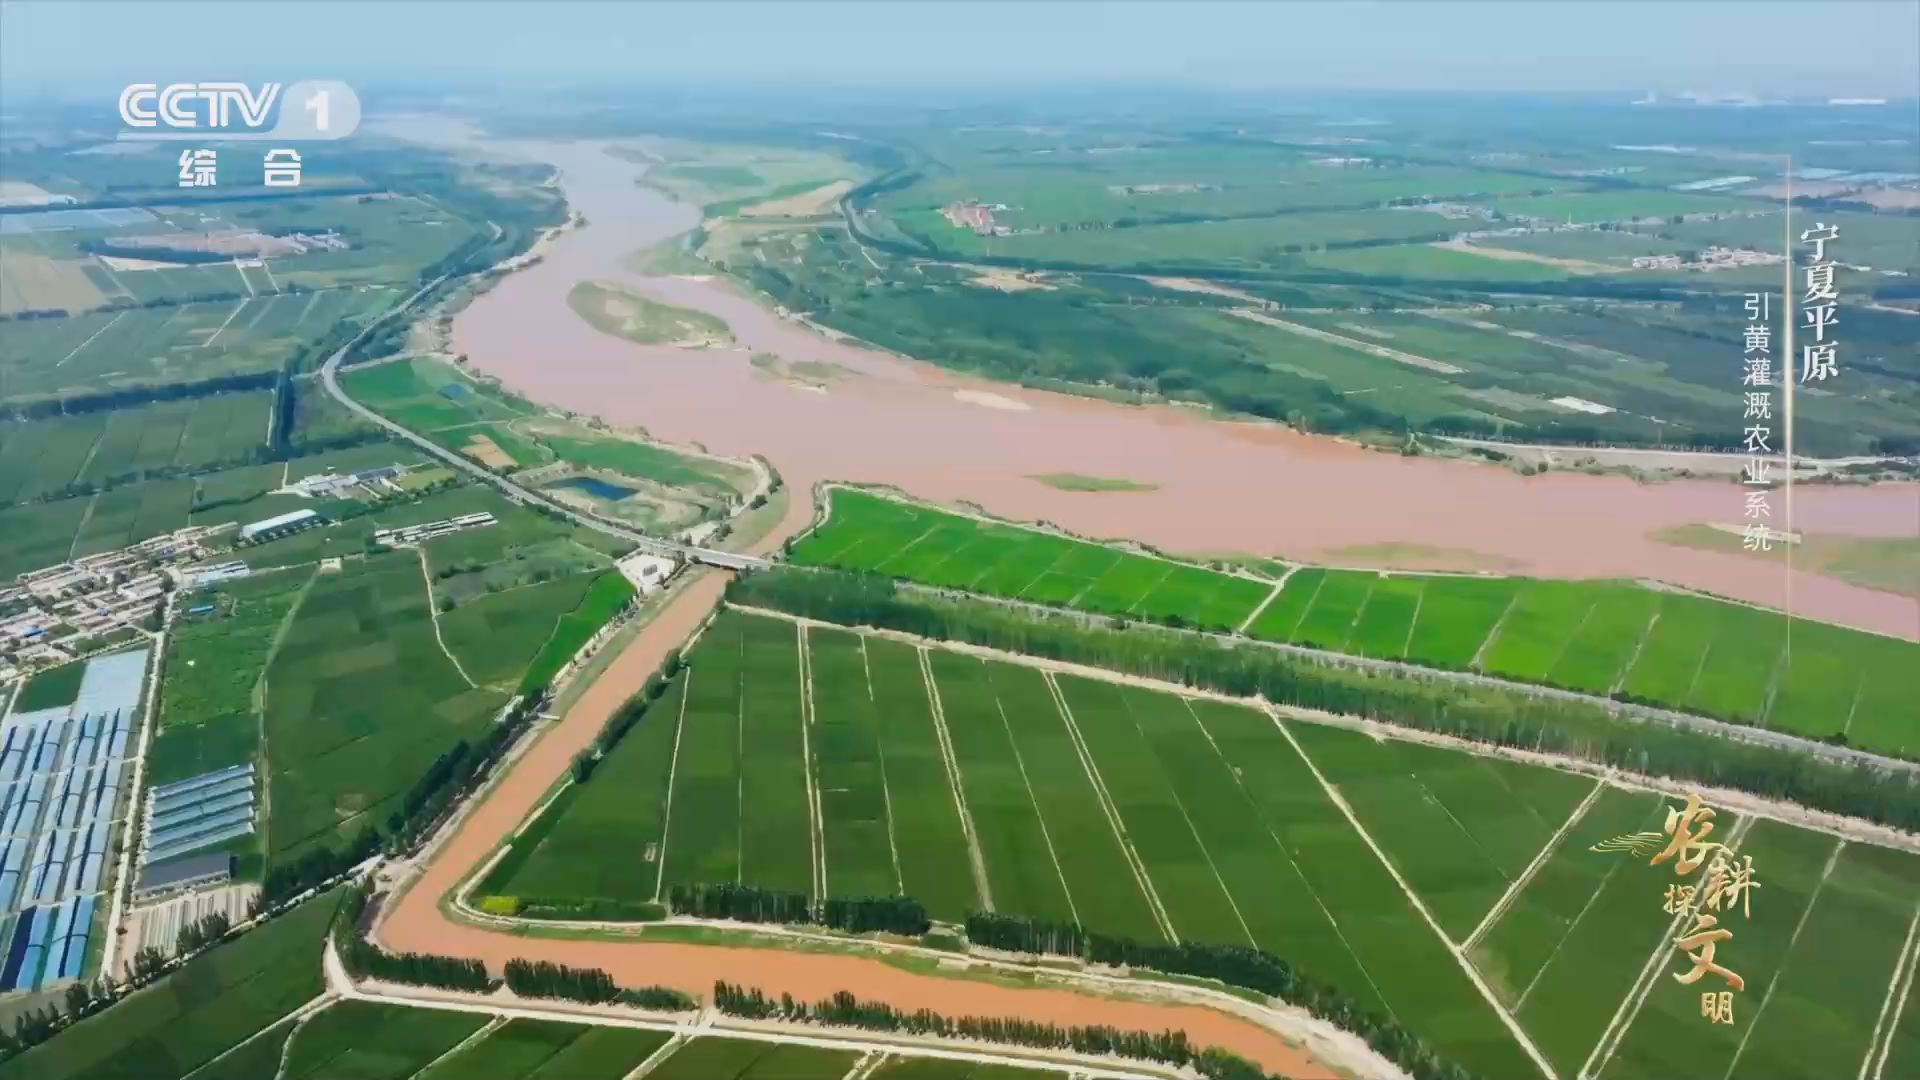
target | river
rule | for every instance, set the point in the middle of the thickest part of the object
(1222, 486)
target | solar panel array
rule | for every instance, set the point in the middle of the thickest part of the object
(60, 776)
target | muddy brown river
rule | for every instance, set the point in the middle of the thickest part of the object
(1221, 486)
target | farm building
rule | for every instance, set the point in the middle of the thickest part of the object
(179, 875)
(282, 525)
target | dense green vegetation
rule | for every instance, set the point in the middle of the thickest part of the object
(1273, 219)
(1484, 714)
(877, 534)
(166, 1030)
(1610, 639)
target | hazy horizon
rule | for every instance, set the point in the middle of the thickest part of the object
(1758, 49)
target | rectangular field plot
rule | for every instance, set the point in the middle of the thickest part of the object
(934, 865)
(1021, 867)
(1163, 833)
(187, 343)
(1535, 632)
(1328, 621)
(855, 808)
(1817, 1022)
(1571, 943)
(1098, 876)
(362, 1040)
(703, 845)
(523, 1049)
(776, 834)
(1453, 825)
(742, 1059)
(360, 699)
(1667, 1036)
(1393, 961)
(866, 532)
(598, 845)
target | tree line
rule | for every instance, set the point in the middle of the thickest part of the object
(626, 716)
(542, 978)
(750, 903)
(843, 1009)
(1499, 716)
(364, 959)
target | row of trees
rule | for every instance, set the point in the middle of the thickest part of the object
(845, 1010)
(591, 985)
(626, 716)
(749, 903)
(201, 933)
(364, 959)
(1500, 716)
(1235, 965)
(1013, 933)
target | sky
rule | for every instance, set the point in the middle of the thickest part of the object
(1808, 48)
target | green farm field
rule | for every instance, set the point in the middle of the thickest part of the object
(210, 694)
(522, 1049)
(871, 533)
(360, 699)
(1154, 816)
(186, 343)
(1606, 638)
(213, 1003)
(741, 1059)
(364, 1040)
(39, 458)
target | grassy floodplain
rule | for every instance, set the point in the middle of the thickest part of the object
(1156, 816)
(1607, 638)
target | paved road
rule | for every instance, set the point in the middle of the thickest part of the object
(514, 492)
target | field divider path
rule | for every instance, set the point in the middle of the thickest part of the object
(1773, 981)
(1640, 646)
(1046, 834)
(1745, 803)
(433, 613)
(976, 861)
(486, 1029)
(1892, 1004)
(673, 765)
(149, 721)
(1180, 805)
(886, 791)
(1636, 996)
(234, 314)
(1240, 782)
(1112, 812)
(1898, 993)
(661, 1053)
(1459, 955)
(1539, 859)
(89, 341)
(816, 826)
(1272, 595)
(1493, 632)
